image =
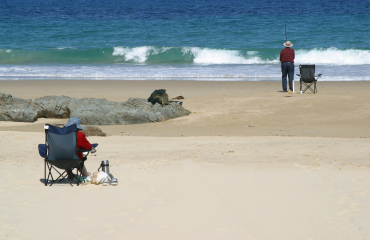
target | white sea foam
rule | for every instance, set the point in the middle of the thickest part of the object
(62, 48)
(319, 56)
(200, 55)
(137, 54)
(329, 56)
(221, 56)
(333, 56)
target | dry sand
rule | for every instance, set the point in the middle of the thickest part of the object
(250, 162)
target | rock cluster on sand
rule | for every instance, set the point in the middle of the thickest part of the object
(87, 129)
(91, 111)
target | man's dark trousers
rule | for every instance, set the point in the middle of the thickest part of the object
(287, 68)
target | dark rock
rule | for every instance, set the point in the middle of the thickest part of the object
(16, 109)
(91, 111)
(52, 107)
(93, 131)
(88, 130)
(178, 98)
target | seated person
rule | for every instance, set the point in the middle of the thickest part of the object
(82, 143)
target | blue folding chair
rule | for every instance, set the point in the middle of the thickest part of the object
(60, 152)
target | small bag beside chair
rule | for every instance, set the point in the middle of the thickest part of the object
(307, 78)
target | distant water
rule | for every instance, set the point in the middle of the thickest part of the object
(189, 39)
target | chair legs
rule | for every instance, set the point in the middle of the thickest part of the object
(307, 86)
(46, 181)
(62, 176)
(49, 167)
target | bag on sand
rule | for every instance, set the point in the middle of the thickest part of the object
(159, 96)
(99, 177)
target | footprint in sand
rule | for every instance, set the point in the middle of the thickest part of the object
(153, 189)
(110, 231)
(366, 192)
(344, 212)
(8, 226)
(356, 207)
(343, 199)
(160, 200)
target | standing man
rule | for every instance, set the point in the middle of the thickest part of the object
(287, 56)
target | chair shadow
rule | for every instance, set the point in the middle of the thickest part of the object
(63, 182)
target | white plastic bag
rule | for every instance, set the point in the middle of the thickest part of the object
(99, 177)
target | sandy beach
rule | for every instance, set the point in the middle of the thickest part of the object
(249, 162)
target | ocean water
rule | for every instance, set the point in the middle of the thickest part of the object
(235, 40)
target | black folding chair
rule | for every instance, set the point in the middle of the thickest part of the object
(60, 152)
(308, 78)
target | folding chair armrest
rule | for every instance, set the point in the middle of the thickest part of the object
(87, 151)
(317, 77)
(42, 150)
(94, 145)
(84, 150)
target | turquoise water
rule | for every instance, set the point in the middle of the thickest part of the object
(198, 40)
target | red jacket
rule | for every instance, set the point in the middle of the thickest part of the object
(82, 143)
(287, 55)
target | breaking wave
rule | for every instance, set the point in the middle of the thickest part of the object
(181, 55)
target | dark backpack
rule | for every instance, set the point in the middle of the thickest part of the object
(159, 96)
